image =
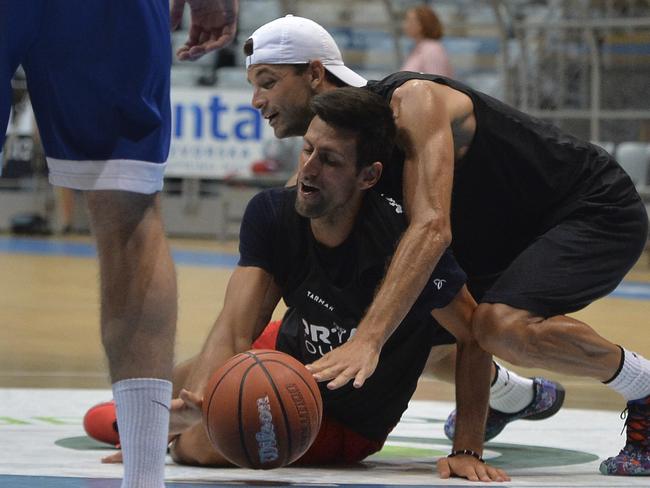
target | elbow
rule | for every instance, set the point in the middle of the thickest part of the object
(435, 228)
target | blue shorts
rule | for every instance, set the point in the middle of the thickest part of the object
(98, 74)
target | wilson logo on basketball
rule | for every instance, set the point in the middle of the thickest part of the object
(266, 442)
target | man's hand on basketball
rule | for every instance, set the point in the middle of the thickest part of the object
(185, 412)
(355, 360)
(470, 468)
(214, 25)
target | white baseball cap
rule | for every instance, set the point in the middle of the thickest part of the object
(296, 40)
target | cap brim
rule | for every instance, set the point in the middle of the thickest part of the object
(346, 75)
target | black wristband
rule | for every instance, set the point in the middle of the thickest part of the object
(467, 452)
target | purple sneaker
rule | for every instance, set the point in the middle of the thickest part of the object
(548, 399)
(634, 458)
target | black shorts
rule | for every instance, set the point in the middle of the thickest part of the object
(580, 259)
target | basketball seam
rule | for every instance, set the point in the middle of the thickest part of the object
(242, 434)
(282, 407)
(304, 381)
(214, 390)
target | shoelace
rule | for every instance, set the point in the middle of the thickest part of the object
(635, 423)
(623, 416)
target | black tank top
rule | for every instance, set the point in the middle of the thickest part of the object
(328, 291)
(519, 177)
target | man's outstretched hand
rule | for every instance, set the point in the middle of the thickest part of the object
(355, 360)
(470, 468)
(213, 25)
(185, 412)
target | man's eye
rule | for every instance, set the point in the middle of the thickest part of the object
(330, 161)
(267, 84)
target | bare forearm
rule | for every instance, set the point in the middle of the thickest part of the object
(473, 374)
(413, 262)
(218, 348)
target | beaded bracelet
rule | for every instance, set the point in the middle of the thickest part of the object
(467, 452)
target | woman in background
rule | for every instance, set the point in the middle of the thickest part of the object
(429, 55)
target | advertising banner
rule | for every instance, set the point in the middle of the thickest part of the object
(216, 133)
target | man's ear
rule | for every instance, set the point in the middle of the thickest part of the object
(370, 175)
(316, 74)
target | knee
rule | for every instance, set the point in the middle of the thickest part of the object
(502, 330)
(487, 325)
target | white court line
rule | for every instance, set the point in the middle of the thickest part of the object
(52, 374)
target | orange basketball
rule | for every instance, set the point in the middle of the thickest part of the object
(262, 409)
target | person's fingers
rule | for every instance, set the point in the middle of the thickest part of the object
(176, 404)
(498, 474)
(193, 36)
(482, 472)
(115, 458)
(320, 364)
(342, 379)
(444, 471)
(360, 378)
(470, 475)
(195, 52)
(329, 372)
(176, 14)
(191, 398)
(183, 53)
(218, 43)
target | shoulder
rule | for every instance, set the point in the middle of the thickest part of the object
(383, 212)
(416, 87)
(273, 199)
(418, 101)
(432, 45)
(269, 209)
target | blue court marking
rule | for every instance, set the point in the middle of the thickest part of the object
(59, 482)
(634, 290)
(47, 247)
(631, 290)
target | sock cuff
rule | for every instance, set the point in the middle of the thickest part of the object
(131, 384)
(497, 367)
(620, 366)
(633, 381)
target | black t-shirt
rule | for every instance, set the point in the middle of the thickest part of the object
(520, 177)
(328, 291)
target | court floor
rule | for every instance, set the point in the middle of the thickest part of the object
(52, 370)
(43, 445)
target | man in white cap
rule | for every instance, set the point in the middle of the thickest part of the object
(543, 224)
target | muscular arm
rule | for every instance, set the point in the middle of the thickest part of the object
(424, 132)
(473, 372)
(425, 135)
(251, 297)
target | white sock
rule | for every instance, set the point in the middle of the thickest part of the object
(510, 392)
(633, 380)
(143, 421)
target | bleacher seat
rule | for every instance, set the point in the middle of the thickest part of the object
(607, 146)
(634, 157)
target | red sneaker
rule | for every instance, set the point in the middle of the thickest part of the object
(100, 423)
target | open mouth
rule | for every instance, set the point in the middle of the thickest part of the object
(308, 190)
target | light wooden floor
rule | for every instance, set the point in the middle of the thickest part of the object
(49, 323)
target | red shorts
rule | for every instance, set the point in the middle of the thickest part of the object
(335, 443)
